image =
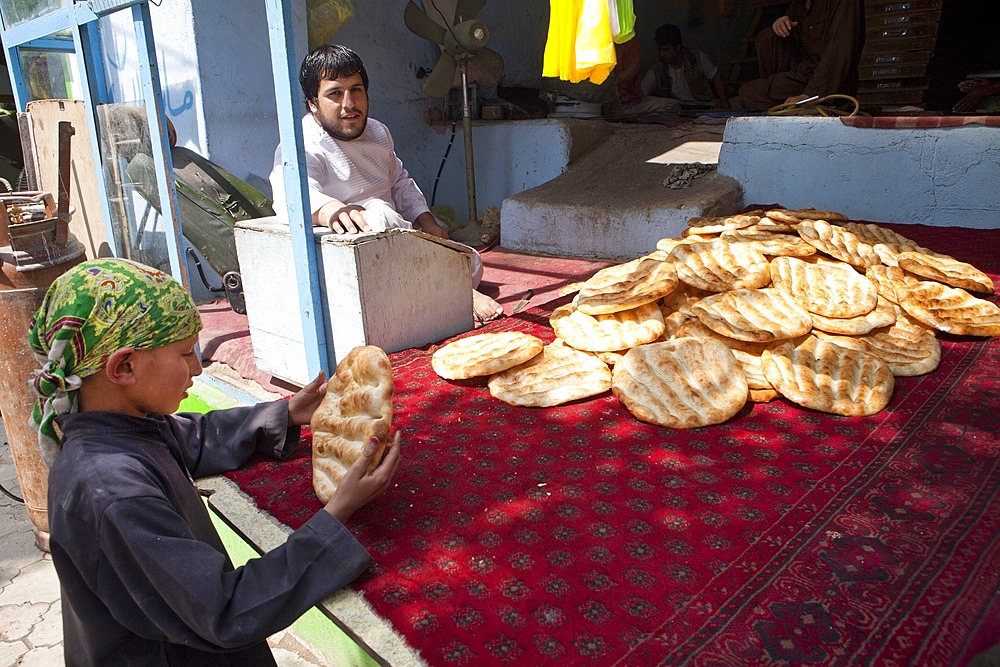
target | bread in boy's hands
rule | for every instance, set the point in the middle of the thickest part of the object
(357, 407)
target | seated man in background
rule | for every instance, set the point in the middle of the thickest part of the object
(811, 50)
(356, 181)
(683, 74)
(634, 103)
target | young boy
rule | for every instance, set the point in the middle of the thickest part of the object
(144, 576)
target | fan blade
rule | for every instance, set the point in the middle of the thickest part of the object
(422, 25)
(466, 10)
(486, 67)
(438, 83)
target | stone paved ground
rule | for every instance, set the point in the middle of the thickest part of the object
(30, 617)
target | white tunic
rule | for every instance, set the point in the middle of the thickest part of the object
(364, 171)
(353, 172)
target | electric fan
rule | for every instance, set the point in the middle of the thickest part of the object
(463, 41)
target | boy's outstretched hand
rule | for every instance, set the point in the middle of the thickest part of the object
(302, 405)
(359, 487)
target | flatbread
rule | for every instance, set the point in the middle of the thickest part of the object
(759, 316)
(951, 309)
(626, 286)
(886, 243)
(883, 315)
(945, 269)
(772, 244)
(826, 289)
(822, 376)
(558, 375)
(484, 354)
(795, 215)
(356, 408)
(607, 333)
(908, 349)
(890, 281)
(681, 383)
(838, 243)
(769, 225)
(747, 354)
(667, 244)
(723, 222)
(718, 266)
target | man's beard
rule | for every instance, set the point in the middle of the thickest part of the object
(337, 133)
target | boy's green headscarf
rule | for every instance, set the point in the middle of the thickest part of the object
(89, 312)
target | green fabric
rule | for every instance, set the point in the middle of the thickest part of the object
(89, 312)
(626, 21)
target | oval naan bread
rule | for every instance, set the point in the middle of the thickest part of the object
(558, 375)
(356, 408)
(626, 286)
(607, 333)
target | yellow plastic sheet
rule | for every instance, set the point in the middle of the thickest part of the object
(579, 44)
(325, 18)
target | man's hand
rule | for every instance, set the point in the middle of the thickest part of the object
(976, 92)
(723, 103)
(795, 99)
(426, 223)
(359, 487)
(343, 218)
(302, 405)
(783, 26)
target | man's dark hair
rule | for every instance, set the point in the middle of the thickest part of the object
(329, 62)
(667, 34)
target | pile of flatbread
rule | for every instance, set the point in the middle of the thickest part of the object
(357, 407)
(795, 303)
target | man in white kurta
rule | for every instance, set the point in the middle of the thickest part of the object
(356, 181)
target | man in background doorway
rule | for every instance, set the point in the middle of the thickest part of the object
(810, 51)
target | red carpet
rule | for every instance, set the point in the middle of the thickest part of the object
(578, 535)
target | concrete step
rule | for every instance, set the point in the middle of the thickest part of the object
(612, 203)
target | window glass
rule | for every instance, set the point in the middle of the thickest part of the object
(15, 12)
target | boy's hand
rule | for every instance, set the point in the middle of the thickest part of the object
(302, 405)
(359, 487)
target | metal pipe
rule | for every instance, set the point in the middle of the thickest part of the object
(470, 166)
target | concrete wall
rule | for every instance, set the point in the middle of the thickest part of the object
(237, 87)
(938, 177)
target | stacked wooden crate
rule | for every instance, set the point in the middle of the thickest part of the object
(912, 54)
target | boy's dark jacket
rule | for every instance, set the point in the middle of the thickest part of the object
(145, 578)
